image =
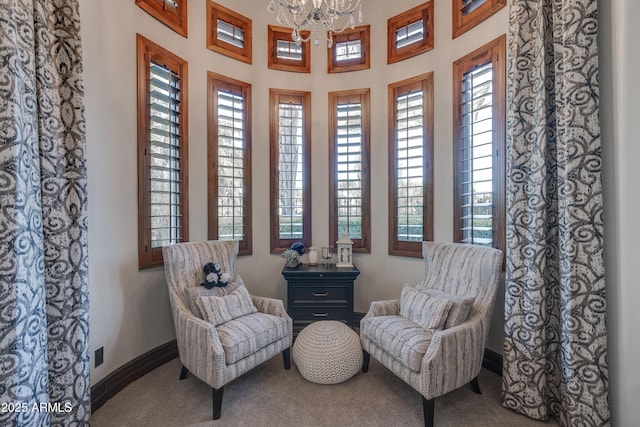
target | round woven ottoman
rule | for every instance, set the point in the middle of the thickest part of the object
(327, 352)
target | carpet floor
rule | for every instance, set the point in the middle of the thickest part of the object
(270, 396)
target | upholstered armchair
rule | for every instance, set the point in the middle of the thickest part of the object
(219, 354)
(437, 361)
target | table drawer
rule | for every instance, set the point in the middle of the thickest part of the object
(321, 313)
(320, 294)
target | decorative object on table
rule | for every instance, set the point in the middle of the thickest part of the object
(291, 258)
(313, 256)
(345, 251)
(327, 352)
(299, 247)
(326, 254)
(318, 16)
(213, 276)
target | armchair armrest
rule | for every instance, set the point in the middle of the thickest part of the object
(454, 358)
(199, 346)
(275, 307)
(383, 308)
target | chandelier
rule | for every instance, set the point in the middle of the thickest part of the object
(318, 16)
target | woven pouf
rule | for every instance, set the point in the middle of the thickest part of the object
(327, 352)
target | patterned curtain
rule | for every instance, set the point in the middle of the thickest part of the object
(44, 358)
(555, 309)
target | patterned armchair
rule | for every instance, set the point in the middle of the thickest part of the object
(437, 362)
(219, 354)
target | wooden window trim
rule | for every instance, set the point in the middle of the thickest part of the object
(283, 64)
(463, 23)
(146, 52)
(424, 12)
(424, 82)
(493, 52)
(362, 245)
(176, 19)
(215, 83)
(275, 97)
(216, 11)
(362, 33)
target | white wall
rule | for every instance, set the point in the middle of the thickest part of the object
(620, 91)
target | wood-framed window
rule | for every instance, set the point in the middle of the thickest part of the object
(410, 165)
(163, 217)
(290, 161)
(410, 33)
(229, 33)
(172, 13)
(350, 50)
(469, 13)
(349, 182)
(479, 146)
(284, 54)
(229, 160)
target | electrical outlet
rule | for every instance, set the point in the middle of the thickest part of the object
(99, 357)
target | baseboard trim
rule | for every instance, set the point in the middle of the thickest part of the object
(113, 383)
(491, 361)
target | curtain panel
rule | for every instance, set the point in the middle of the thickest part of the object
(44, 357)
(555, 345)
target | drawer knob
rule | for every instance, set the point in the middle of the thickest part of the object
(321, 275)
(320, 314)
(321, 294)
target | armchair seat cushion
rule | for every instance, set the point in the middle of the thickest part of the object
(405, 341)
(245, 335)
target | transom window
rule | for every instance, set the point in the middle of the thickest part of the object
(410, 170)
(469, 13)
(284, 54)
(410, 33)
(229, 151)
(349, 50)
(229, 33)
(290, 144)
(479, 137)
(349, 183)
(162, 151)
(172, 13)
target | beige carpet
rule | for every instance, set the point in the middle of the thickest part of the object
(270, 396)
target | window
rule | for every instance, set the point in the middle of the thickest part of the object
(229, 157)
(469, 13)
(228, 32)
(162, 151)
(349, 201)
(349, 51)
(290, 148)
(410, 33)
(284, 54)
(172, 13)
(410, 165)
(479, 138)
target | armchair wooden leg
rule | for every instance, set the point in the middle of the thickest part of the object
(365, 361)
(286, 357)
(217, 402)
(475, 386)
(427, 409)
(183, 373)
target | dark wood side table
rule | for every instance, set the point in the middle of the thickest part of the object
(319, 293)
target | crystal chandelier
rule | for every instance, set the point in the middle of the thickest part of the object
(326, 16)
